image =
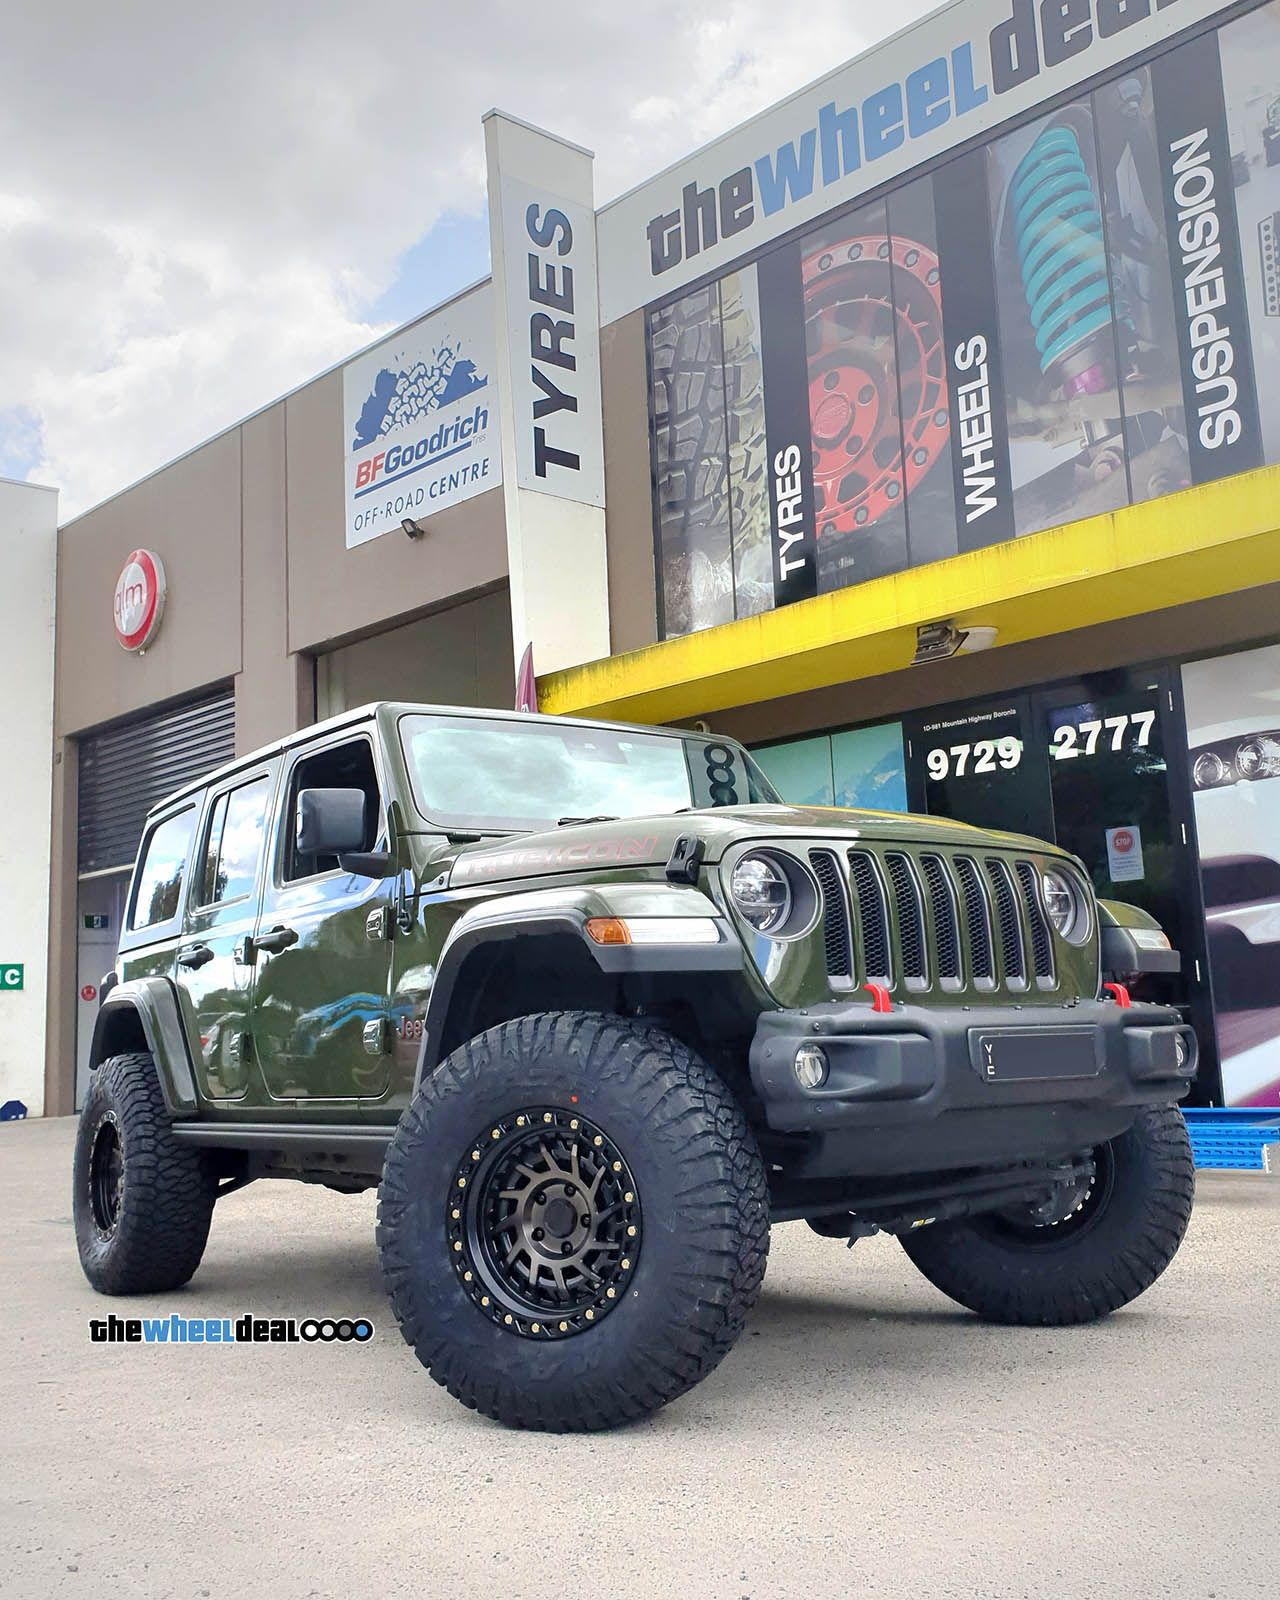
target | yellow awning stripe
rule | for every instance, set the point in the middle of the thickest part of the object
(1187, 546)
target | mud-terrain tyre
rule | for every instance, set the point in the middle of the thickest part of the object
(141, 1202)
(1114, 1245)
(607, 1140)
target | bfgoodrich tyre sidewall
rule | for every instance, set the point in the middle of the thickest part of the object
(1081, 1274)
(95, 1249)
(665, 1295)
(1134, 1184)
(167, 1191)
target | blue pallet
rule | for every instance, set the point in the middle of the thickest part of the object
(1232, 1141)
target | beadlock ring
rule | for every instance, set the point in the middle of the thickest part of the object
(543, 1223)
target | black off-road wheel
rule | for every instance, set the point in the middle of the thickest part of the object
(1104, 1247)
(573, 1221)
(141, 1201)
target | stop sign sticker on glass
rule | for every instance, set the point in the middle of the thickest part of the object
(138, 604)
(1124, 854)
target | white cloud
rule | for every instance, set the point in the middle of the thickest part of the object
(207, 202)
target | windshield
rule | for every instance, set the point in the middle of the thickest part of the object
(485, 776)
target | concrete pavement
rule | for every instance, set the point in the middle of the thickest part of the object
(865, 1437)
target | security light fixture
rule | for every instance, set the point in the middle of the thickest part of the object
(939, 641)
(415, 530)
(936, 641)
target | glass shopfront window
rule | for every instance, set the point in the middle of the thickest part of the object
(861, 767)
(971, 763)
(1103, 766)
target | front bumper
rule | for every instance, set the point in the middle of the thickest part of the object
(924, 1088)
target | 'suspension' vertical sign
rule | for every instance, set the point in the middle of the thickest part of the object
(1210, 310)
(554, 323)
(788, 435)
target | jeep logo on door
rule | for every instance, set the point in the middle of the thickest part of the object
(138, 603)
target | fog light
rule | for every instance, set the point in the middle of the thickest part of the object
(811, 1066)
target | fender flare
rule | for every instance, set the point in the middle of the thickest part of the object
(1120, 951)
(548, 912)
(154, 1001)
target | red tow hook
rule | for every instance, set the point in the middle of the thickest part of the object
(880, 1000)
(1119, 994)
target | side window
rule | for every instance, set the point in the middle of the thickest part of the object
(233, 843)
(157, 893)
(344, 766)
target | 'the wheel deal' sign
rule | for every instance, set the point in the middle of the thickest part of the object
(138, 603)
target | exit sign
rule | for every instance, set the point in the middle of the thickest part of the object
(11, 974)
(96, 919)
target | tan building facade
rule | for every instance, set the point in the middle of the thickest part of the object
(269, 619)
(923, 432)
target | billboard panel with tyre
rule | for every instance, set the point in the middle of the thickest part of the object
(1051, 326)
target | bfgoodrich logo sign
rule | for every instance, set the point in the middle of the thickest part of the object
(420, 419)
(967, 68)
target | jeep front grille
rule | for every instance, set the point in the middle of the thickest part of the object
(910, 914)
(1009, 924)
(933, 921)
(946, 928)
(1041, 944)
(873, 917)
(977, 917)
(835, 914)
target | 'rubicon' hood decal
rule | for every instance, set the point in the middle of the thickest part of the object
(648, 841)
(561, 855)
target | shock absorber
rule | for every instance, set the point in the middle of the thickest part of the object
(1057, 227)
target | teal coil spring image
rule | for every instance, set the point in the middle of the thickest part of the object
(1057, 228)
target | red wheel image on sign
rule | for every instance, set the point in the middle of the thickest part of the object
(138, 603)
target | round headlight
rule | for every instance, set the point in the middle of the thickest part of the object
(1210, 769)
(1260, 758)
(761, 893)
(1065, 905)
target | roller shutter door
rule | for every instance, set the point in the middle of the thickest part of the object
(127, 769)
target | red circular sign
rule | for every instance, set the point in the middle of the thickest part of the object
(138, 603)
(88, 992)
(1122, 841)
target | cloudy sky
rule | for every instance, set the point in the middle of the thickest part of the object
(203, 206)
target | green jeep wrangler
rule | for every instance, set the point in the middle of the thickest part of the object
(595, 1008)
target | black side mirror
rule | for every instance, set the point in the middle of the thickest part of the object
(369, 863)
(331, 822)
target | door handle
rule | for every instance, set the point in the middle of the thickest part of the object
(277, 940)
(197, 955)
